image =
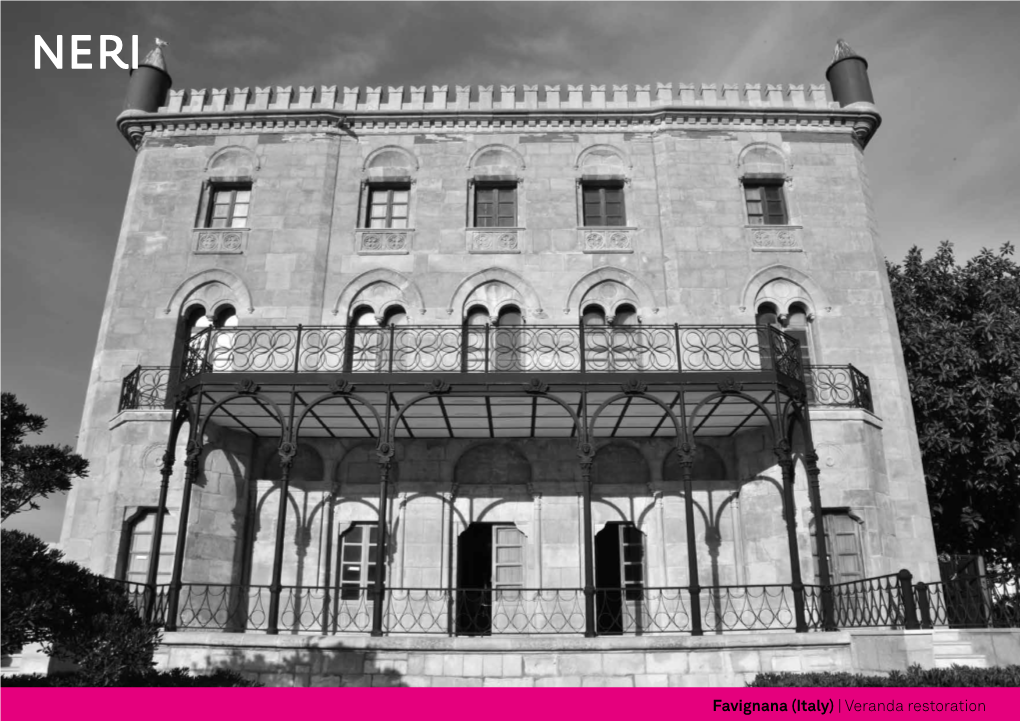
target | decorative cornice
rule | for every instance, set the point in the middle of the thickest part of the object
(137, 126)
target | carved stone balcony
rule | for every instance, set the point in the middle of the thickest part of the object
(495, 240)
(384, 241)
(775, 238)
(606, 240)
(221, 241)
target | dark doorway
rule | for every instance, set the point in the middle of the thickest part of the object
(619, 578)
(474, 580)
(490, 563)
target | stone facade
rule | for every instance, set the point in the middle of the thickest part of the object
(685, 255)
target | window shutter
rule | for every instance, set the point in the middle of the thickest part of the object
(592, 206)
(632, 558)
(507, 557)
(614, 206)
(485, 207)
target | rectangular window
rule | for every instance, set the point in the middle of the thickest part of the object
(603, 205)
(495, 206)
(388, 206)
(357, 560)
(765, 204)
(136, 568)
(228, 206)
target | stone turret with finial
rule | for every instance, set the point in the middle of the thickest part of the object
(150, 82)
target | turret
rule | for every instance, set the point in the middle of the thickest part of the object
(848, 76)
(149, 82)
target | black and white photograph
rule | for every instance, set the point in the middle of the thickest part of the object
(530, 344)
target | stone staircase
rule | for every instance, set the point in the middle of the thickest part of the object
(949, 649)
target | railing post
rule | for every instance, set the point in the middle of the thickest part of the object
(393, 331)
(379, 591)
(907, 597)
(923, 604)
(486, 368)
(686, 453)
(587, 459)
(206, 365)
(287, 453)
(796, 583)
(297, 349)
(464, 335)
(581, 343)
(676, 340)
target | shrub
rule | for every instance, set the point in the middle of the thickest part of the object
(957, 676)
(177, 677)
(75, 614)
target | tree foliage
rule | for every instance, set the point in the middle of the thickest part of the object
(31, 472)
(960, 331)
(75, 614)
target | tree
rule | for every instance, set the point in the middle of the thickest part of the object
(960, 331)
(81, 617)
(31, 472)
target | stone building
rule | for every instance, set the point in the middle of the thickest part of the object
(595, 366)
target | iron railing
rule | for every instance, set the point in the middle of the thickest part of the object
(839, 386)
(890, 601)
(145, 387)
(970, 602)
(491, 349)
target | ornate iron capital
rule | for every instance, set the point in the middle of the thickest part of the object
(783, 450)
(246, 386)
(437, 386)
(384, 453)
(633, 386)
(168, 463)
(287, 451)
(730, 384)
(536, 385)
(685, 451)
(340, 387)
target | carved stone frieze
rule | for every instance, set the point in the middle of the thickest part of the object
(777, 238)
(384, 241)
(220, 241)
(607, 240)
(496, 240)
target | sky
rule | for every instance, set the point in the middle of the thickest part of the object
(941, 167)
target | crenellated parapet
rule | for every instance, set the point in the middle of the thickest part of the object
(438, 107)
(497, 98)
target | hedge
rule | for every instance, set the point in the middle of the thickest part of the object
(178, 677)
(957, 676)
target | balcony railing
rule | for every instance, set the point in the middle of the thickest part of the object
(491, 349)
(891, 601)
(145, 388)
(838, 386)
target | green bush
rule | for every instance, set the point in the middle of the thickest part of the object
(957, 676)
(177, 677)
(76, 615)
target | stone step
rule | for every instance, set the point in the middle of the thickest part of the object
(974, 660)
(959, 648)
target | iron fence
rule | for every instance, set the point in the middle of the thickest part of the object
(839, 386)
(145, 388)
(491, 349)
(970, 602)
(890, 601)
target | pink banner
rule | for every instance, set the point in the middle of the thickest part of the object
(534, 704)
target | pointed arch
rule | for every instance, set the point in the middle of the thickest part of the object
(234, 283)
(408, 289)
(760, 278)
(499, 275)
(646, 299)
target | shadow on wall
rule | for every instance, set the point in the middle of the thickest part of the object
(329, 667)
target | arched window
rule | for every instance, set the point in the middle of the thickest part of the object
(192, 320)
(473, 338)
(136, 547)
(626, 315)
(593, 316)
(507, 340)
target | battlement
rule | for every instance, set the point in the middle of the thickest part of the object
(489, 98)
